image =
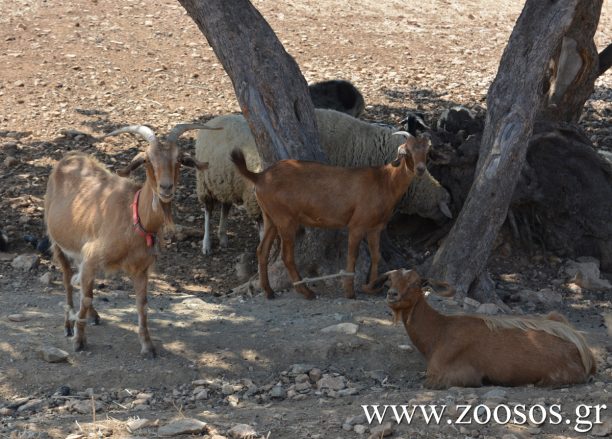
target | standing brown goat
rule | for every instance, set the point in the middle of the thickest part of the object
(472, 350)
(105, 222)
(293, 193)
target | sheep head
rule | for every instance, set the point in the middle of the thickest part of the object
(406, 289)
(418, 147)
(162, 158)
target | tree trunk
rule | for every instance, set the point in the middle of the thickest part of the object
(513, 101)
(574, 67)
(272, 93)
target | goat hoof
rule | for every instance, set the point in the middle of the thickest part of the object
(95, 321)
(149, 354)
(270, 295)
(79, 346)
(68, 332)
(350, 296)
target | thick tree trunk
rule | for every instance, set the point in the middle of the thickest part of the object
(513, 101)
(270, 88)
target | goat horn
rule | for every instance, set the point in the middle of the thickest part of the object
(445, 210)
(406, 134)
(179, 129)
(144, 131)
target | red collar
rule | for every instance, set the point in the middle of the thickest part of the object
(149, 237)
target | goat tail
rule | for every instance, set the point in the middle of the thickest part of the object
(239, 161)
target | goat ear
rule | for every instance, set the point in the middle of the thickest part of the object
(137, 161)
(443, 289)
(190, 162)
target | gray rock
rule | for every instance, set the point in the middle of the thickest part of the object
(354, 420)
(6, 411)
(468, 301)
(278, 392)
(383, 430)
(586, 275)
(84, 406)
(496, 393)
(331, 382)
(45, 279)
(202, 394)
(298, 369)
(341, 328)
(603, 429)
(315, 374)
(488, 308)
(242, 431)
(31, 406)
(406, 348)
(52, 354)
(548, 296)
(360, 429)
(17, 317)
(302, 378)
(10, 161)
(25, 262)
(303, 387)
(182, 426)
(227, 389)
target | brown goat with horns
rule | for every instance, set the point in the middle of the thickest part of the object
(105, 222)
(474, 350)
(293, 193)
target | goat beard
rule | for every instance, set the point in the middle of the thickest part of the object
(397, 316)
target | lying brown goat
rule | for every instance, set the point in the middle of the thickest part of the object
(472, 350)
(105, 222)
(293, 193)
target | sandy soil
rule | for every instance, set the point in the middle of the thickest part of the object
(92, 67)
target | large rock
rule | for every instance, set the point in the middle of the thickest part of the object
(342, 328)
(242, 431)
(182, 426)
(586, 275)
(25, 262)
(52, 354)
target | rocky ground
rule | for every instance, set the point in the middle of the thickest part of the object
(235, 365)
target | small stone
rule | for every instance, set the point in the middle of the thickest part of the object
(341, 328)
(488, 308)
(138, 424)
(52, 354)
(348, 392)
(25, 262)
(533, 430)
(10, 161)
(586, 274)
(302, 378)
(298, 369)
(31, 406)
(277, 392)
(347, 427)
(182, 426)
(85, 406)
(331, 382)
(315, 374)
(496, 393)
(17, 318)
(471, 302)
(203, 394)
(603, 429)
(45, 279)
(233, 400)
(242, 431)
(360, 429)
(354, 420)
(382, 430)
(509, 436)
(406, 348)
(227, 389)
(148, 23)
(303, 387)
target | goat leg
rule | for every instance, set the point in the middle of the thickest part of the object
(354, 238)
(209, 205)
(287, 246)
(374, 247)
(67, 273)
(86, 274)
(140, 287)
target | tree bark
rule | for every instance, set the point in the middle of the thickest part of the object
(272, 93)
(513, 102)
(574, 67)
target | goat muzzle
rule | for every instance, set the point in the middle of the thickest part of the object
(392, 296)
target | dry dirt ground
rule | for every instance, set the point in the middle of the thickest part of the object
(229, 359)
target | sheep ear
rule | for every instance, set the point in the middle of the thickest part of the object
(137, 161)
(443, 289)
(190, 162)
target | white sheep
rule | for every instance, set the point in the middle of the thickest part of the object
(347, 142)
